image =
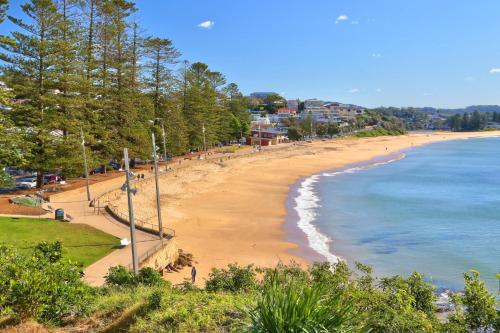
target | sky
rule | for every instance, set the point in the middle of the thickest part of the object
(441, 53)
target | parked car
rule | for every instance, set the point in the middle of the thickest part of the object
(115, 165)
(51, 179)
(26, 183)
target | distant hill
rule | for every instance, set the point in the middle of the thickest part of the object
(469, 109)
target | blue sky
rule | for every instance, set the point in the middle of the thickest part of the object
(368, 52)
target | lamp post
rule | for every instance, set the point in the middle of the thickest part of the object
(164, 142)
(260, 138)
(158, 204)
(204, 140)
(85, 165)
(130, 212)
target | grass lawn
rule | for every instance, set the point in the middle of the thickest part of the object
(81, 242)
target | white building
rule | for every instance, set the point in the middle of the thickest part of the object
(257, 120)
(346, 112)
(313, 103)
(321, 115)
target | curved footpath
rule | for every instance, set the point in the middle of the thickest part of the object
(75, 204)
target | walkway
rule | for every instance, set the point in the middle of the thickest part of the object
(75, 204)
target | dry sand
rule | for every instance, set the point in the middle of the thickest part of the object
(234, 211)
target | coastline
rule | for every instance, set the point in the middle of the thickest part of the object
(236, 211)
(302, 204)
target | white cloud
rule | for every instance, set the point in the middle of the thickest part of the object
(376, 55)
(495, 70)
(353, 91)
(206, 24)
(341, 18)
(378, 90)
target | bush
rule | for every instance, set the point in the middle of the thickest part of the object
(120, 276)
(195, 311)
(154, 300)
(380, 132)
(233, 279)
(39, 284)
(291, 305)
(50, 251)
(149, 277)
(476, 310)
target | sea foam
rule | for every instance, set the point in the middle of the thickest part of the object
(307, 204)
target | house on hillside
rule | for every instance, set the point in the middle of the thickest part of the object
(346, 112)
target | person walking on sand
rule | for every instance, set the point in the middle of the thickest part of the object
(193, 274)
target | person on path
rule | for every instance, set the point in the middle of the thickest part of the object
(193, 274)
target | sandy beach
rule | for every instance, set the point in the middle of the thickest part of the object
(234, 211)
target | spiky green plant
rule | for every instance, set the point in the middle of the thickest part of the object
(291, 305)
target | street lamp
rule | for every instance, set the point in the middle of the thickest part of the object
(204, 139)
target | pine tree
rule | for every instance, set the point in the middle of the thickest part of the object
(159, 82)
(31, 63)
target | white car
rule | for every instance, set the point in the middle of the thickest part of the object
(26, 183)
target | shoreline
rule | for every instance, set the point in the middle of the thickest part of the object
(313, 244)
(235, 211)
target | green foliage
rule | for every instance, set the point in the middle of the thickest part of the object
(49, 251)
(287, 298)
(40, 285)
(6, 180)
(232, 279)
(26, 201)
(476, 309)
(120, 276)
(295, 133)
(119, 92)
(149, 277)
(198, 311)
(155, 299)
(467, 122)
(379, 132)
(290, 305)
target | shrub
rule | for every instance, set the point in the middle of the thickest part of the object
(195, 311)
(154, 300)
(40, 284)
(50, 251)
(291, 305)
(150, 277)
(476, 309)
(120, 276)
(232, 279)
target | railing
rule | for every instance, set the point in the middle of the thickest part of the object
(149, 253)
(139, 223)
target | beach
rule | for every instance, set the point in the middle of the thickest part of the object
(234, 210)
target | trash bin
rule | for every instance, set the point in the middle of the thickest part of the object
(59, 214)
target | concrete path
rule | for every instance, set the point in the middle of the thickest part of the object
(75, 204)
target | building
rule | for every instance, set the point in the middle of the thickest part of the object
(313, 103)
(266, 137)
(258, 119)
(293, 104)
(346, 112)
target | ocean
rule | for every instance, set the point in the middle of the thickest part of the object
(434, 209)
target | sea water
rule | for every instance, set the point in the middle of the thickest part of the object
(433, 209)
